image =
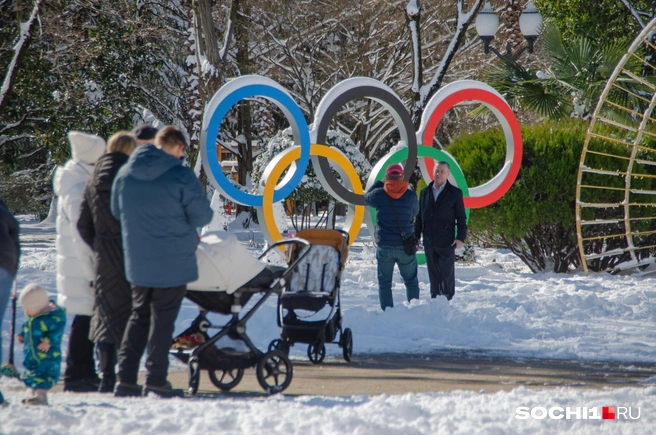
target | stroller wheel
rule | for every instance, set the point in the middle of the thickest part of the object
(279, 344)
(227, 379)
(316, 352)
(274, 372)
(194, 376)
(346, 342)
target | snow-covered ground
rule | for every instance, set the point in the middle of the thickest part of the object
(499, 308)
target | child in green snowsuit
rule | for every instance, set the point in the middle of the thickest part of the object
(41, 336)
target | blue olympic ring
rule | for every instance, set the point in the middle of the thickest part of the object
(289, 107)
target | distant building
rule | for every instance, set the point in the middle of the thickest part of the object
(228, 158)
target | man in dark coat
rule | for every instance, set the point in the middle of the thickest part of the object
(441, 211)
(102, 232)
(394, 195)
(160, 204)
(9, 256)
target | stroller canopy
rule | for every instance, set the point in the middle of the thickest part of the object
(224, 265)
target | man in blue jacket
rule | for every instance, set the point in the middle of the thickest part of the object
(441, 210)
(160, 204)
(9, 256)
(386, 197)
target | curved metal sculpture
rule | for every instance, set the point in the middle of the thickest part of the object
(616, 185)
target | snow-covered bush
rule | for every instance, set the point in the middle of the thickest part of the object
(535, 219)
(310, 190)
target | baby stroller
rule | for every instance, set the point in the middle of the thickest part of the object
(309, 309)
(228, 277)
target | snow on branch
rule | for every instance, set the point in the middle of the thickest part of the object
(633, 12)
(413, 11)
(19, 49)
(4, 139)
(464, 20)
(12, 125)
(228, 31)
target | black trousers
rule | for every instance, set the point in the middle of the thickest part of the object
(151, 326)
(79, 361)
(441, 271)
(107, 357)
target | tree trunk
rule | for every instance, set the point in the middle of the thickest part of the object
(245, 157)
(510, 18)
(424, 92)
(330, 221)
(209, 42)
(207, 45)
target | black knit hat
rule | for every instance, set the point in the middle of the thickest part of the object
(145, 132)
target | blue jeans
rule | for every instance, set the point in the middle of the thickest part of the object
(387, 256)
(6, 285)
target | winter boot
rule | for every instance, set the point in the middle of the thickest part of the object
(36, 399)
(165, 391)
(107, 357)
(107, 384)
(127, 390)
(82, 385)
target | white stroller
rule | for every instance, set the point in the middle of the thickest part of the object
(228, 277)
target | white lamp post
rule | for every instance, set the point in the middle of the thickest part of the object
(530, 24)
(487, 24)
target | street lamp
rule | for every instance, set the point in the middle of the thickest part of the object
(487, 24)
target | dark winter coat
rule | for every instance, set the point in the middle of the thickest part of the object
(437, 220)
(100, 230)
(160, 204)
(387, 230)
(9, 245)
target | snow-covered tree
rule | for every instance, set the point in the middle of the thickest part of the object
(310, 191)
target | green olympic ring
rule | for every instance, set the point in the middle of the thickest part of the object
(402, 155)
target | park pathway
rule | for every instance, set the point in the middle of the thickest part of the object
(400, 374)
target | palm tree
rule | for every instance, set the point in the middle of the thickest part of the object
(571, 85)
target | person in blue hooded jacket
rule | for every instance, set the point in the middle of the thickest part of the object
(389, 241)
(160, 204)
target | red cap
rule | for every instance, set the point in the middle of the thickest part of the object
(395, 170)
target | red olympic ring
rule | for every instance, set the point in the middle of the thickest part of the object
(498, 103)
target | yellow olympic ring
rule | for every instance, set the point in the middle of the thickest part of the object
(283, 161)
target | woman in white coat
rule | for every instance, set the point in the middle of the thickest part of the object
(75, 290)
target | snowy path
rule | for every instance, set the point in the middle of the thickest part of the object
(401, 374)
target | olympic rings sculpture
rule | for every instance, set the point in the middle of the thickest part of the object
(311, 146)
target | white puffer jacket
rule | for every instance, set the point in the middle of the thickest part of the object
(74, 257)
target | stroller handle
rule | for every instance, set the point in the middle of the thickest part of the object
(293, 240)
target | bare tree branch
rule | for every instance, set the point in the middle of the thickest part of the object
(634, 13)
(19, 49)
(13, 125)
(9, 139)
(27, 156)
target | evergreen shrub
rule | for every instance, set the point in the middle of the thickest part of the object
(536, 218)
